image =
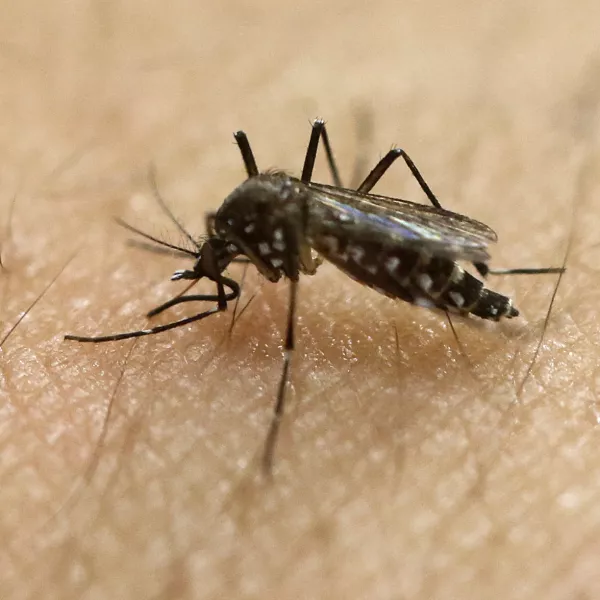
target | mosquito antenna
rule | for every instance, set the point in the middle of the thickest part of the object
(143, 234)
(147, 247)
(166, 209)
(36, 300)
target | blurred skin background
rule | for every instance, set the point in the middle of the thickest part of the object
(408, 466)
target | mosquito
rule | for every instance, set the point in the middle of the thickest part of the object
(287, 226)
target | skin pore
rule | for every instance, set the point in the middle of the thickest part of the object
(408, 466)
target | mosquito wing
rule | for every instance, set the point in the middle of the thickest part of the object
(338, 211)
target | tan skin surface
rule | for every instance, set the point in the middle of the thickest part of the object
(133, 470)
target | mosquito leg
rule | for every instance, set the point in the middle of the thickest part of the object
(319, 132)
(484, 270)
(221, 306)
(534, 271)
(278, 411)
(142, 332)
(247, 156)
(197, 298)
(385, 163)
(292, 271)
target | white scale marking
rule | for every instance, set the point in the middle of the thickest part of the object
(424, 302)
(425, 282)
(392, 264)
(457, 298)
(357, 253)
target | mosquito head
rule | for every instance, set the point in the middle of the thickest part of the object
(213, 258)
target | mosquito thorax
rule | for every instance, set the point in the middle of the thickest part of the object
(256, 202)
(261, 216)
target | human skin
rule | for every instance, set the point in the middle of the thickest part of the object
(409, 465)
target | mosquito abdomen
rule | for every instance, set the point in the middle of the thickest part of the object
(467, 294)
(415, 276)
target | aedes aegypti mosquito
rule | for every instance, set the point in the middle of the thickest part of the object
(286, 226)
